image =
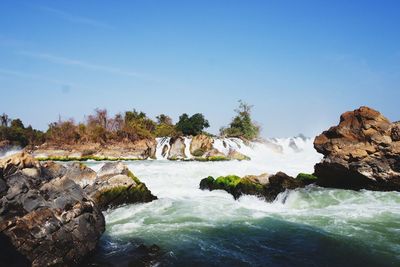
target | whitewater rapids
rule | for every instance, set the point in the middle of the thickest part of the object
(304, 227)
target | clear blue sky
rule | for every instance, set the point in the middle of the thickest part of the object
(300, 63)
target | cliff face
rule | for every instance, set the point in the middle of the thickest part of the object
(362, 151)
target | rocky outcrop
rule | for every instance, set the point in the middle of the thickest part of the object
(45, 219)
(264, 185)
(116, 185)
(141, 149)
(363, 151)
(200, 148)
(50, 214)
(200, 144)
(80, 174)
(177, 150)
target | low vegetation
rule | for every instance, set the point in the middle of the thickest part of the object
(129, 126)
(17, 134)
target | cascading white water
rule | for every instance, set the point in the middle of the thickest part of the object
(273, 146)
(211, 228)
(10, 152)
(187, 142)
(162, 142)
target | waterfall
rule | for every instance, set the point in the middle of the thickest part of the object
(7, 153)
(220, 145)
(270, 148)
(225, 145)
(187, 142)
(163, 143)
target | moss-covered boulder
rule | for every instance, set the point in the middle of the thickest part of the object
(264, 185)
(116, 185)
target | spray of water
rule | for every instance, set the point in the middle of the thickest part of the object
(212, 228)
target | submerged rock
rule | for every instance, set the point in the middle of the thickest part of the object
(45, 219)
(264, 185)
(363, 151)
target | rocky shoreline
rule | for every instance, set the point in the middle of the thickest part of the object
(50, 214)
(198, 148)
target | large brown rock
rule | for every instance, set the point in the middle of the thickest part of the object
(363, 151)
(46, 219)
(201, 144)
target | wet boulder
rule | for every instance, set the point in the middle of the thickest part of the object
(264, 185)
(361, 152)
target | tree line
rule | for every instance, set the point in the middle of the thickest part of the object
(129, 126)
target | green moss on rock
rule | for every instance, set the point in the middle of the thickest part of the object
(218, 158)
(134, 178)
(307, 178)
(252, 185)
(227, 181)
(198, 152)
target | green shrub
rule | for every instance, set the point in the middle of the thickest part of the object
(165, 130)
(242, 125)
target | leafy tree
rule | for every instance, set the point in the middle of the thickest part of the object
(164, 119)
(164, 126)
(138, 126)
(17, 123)
(242, 125)
(193, 125)
(17, 134)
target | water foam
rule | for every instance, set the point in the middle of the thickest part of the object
(189, 215)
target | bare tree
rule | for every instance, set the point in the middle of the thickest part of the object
(4, 119)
